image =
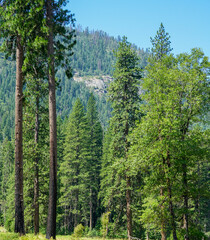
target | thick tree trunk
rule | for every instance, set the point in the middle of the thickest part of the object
(19, 209)
(51, 220)
(185, 225)
(36, 177)
(128, 207)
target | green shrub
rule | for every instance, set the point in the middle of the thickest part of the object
(94, 233)
(104, 224)
(78, 231)
(9, 236)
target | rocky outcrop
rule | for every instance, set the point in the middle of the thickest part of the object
(98, 84)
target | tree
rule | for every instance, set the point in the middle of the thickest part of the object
(94, 164)
(161, 43)
(14, 27)
(74, 168)
(176, 93)
(124, 96)
(51, 220)
(55, 12)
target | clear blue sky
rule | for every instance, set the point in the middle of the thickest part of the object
(187, 21)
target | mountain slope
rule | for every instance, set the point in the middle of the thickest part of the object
(92, 66)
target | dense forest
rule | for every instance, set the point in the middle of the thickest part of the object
(92, 47)
(131, 162)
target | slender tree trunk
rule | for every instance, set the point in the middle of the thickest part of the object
(75, 215)
(185, 225)
(147, 235)
(51, 220)
(36, 177)
(128, 207)
(163, 226)
(91, 210)
(173, 223)
(19, 209)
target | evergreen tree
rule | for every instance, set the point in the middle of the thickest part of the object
(15, 30)
(74, 169)
(161, 43)
(124, 95)
(94, 164)
(6, 171)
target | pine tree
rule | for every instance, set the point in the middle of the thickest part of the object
(161, 43)
(94, 164)
(124, 96)
(15, 30)
(74, 168)
(6, 171)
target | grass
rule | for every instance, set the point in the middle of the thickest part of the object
(4, 235)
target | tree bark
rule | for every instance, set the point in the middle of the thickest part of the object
(163, 227)
(19, 209)
(173, 223)
(91, 210)
(51, 220)
(128, 207)
(186, 224)
(36, 177)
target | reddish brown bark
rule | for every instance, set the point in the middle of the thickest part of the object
(36, 177)
(128, 207)
(19, 209)
(51, 220)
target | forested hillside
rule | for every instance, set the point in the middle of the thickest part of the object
(93, 58)
(136, 166)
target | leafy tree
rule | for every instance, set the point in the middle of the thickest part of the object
(167, 140)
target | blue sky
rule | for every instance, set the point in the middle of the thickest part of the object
(187, 21)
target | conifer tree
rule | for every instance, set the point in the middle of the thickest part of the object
(94, 165)
(15, 30)
(124, 96)
(74, 168)
(161, 43)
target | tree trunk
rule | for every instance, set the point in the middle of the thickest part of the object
(19, 209)
(185, 225)
(36, 177)
(163, 227)
(91, 210)
(128, 207)
(173, 223)
(51, 220)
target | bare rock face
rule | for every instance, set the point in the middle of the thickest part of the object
(98, 84)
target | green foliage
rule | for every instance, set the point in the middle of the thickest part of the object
(78, 231)
(6, 182)
(161, 43)
(176, 93)
(9, 236)
(124, 96)
(104, 224)
(74, 166)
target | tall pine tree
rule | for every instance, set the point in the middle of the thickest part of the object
(124, 96)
